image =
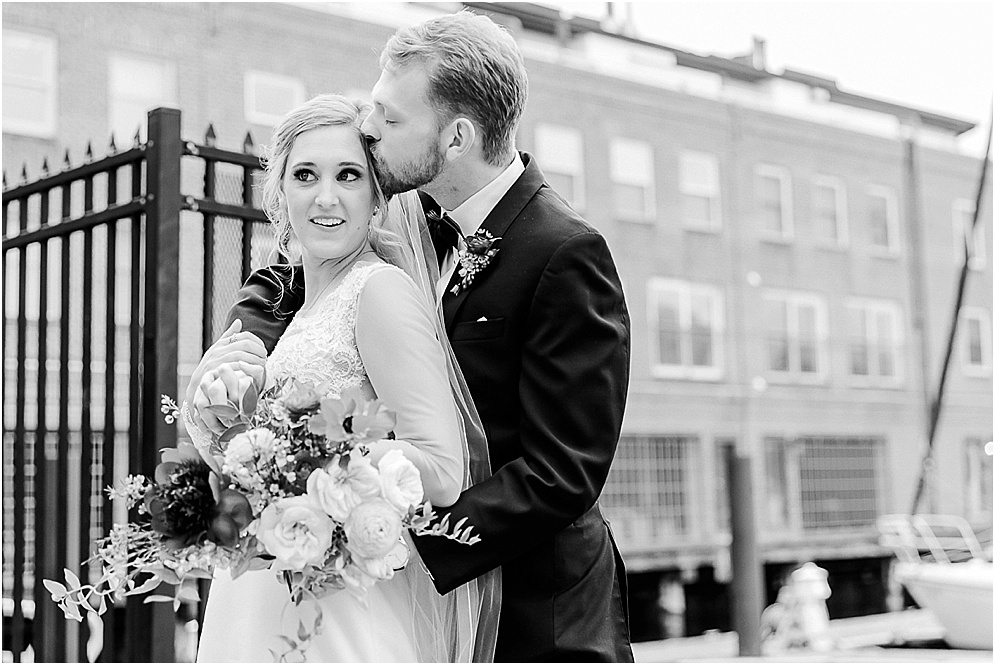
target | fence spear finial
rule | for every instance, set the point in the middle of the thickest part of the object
(44, 166)
(138, 136)
(248, 146)
(113, 146)
(210, 137)
(65, 161)
(24, 173)
(89, 152)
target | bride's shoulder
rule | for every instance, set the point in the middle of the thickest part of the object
(386, 285)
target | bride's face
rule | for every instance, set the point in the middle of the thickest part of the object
(329, 192)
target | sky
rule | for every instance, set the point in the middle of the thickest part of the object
(936, 56)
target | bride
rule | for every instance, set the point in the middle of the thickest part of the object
(369, 320)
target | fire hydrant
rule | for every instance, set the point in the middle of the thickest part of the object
(800, 618)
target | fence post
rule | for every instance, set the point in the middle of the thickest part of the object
(159, 340)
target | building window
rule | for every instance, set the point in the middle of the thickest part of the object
(882, 220)
(29, 84)
(560, 150)
(823, 482)
(774, 202)
(268, 97)
(829, 211)
(875, 333)
(975, 334)
(647, 494)
(633, 176)
(701, 204)
(686, 327)
(137, 86)
(978, 479)
(796, 335)
(963, 216)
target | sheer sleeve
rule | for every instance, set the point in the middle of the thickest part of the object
(406, 365)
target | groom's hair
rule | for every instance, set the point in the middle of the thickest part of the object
(474, 69)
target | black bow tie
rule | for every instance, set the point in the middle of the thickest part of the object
(445, 233)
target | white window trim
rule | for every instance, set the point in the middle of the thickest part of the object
(648, 186)
(684, 291)
(168, 67)
(873, 306)
(793, 299)
(978, 258)
(842, 222)
(984, 317)
(37, 127)
(577, 173)
(252, 78)
(787, 205)
(713, 194)
(891, 206)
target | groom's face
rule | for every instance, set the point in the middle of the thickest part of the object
(404, 129)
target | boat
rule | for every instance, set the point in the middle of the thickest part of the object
(945, 570)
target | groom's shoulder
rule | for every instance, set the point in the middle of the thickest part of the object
(554, 219)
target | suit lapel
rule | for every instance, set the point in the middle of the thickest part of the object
(498, 221)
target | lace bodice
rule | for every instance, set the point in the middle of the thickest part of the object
(319, 346)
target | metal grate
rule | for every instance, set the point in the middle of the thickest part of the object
(839, 481)
(647, 494)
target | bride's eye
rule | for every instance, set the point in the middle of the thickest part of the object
(350, 175)
(303, 175)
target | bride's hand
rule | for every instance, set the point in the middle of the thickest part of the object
(241, 350)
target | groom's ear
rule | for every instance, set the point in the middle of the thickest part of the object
(459, 138)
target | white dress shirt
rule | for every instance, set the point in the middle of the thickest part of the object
(470, 214)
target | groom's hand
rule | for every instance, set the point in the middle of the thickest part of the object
(239, 351)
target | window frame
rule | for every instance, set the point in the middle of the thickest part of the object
(713, 193)
(968, 368)
(44, 126)
(551, 164)
(792, 300)
(962, 210)
(874, 305)
(892, 221)
(842, 240)
(172, 100)
(252, 78)
(783, 175)
(685, 291)
(648, 185)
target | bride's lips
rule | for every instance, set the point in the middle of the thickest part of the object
(328, 222)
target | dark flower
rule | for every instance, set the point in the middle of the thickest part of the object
(480, 243)
(184, 510)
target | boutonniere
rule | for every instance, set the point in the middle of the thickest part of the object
(478, 253)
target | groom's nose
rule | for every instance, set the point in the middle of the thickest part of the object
(369, 129)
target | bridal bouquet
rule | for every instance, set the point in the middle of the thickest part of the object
(289, 487)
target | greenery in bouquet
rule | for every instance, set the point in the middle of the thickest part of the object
(289, 486)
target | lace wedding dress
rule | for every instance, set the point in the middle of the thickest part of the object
(372, 331)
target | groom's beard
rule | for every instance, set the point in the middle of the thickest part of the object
(398, 178)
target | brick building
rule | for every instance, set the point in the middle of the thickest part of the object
(789, 250)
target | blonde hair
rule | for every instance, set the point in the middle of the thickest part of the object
(474, 68)
(321, 111)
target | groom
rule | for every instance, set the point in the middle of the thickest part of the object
(541, 333)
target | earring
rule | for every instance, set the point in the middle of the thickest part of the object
(376, 210)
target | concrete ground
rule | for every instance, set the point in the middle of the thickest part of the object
(912, 636)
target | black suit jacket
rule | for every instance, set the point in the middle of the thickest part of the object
(542, 337)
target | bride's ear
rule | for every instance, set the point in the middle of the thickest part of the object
(459, 138)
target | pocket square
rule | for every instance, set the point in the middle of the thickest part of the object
(483, 318)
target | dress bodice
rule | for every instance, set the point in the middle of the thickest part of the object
(319, 346)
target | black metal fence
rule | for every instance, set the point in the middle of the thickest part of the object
(92, 295)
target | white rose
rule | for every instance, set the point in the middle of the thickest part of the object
(400, 481)
(329, 489)
(296, 531)
(373, 529)
(363, 477)
(247, 445)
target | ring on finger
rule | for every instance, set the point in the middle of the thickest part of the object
(231, 339)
